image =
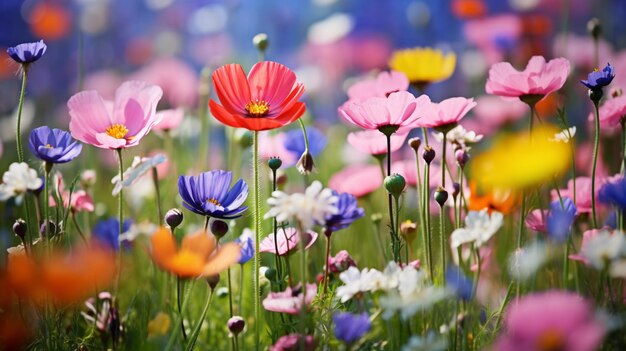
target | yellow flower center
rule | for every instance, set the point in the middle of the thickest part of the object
(118, 131)
(257, 108)
(213, 201)
(551, 340)
(48, 146)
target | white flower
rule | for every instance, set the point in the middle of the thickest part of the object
(17, 181)
(524, 262)
(479, 228)
(603, 248)
(139, 167)
(428, 343)
(308, 209)
(460, 136)
(357, 282)
(565, 135)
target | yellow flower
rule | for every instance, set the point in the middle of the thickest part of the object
(423, 65)
(159, 325)
(518, 162)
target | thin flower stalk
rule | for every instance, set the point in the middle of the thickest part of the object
(257, 234)
(596, 148)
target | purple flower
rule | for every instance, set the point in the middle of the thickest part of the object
(460, 285)
(53, 145)
(596, 80)
(107, 232)
(208, 194)
(348, 212)
(614, 193)
(27, 53)
(246, 243)
(294, 141)
(560, 219)
(351, 327)
(292, 342)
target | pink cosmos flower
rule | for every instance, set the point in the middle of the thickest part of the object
(583, 192)
(492, 112)
(580, 50)
(612, 112)
(539, 78)
(169, 119)
(340, 262)
(494, 35)
(587, 236)
(553, 320)
(384, 84)
(358, 180)
(446, 113)
(119, 125)
(292, 342)
(535, 220)
(177, 78)
(398, 109)
(290, 300)
(374, 142)
(288, 241)
(81, 201)
(274, 146)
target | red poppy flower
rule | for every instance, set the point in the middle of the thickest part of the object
(266, 99)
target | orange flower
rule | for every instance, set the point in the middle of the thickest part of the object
(197, 256)
(497, 200)
(465, 9)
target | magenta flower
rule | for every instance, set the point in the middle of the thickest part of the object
(446, 113)
(358, 180)
(290, 300)
(374, 142)
(553, 320)
(536, 81)
(119, 125)
(292, 342)
(384, 84)
(535, 220)
(288, 241)
(340, 262)
(169, 119)
(397, 110)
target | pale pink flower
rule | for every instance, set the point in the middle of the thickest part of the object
(169, 119)
(553, 320)
(583, 192)
(535, 220)
(81, 201)
(584, 158)
(178, 80)
(492, 112)
(358, 180)
(290, 300)
(340, 262)
(374, 142)
(580, 50)
(587, 236)
(274, 146)
(446, 113)
(382, 85)
(119, 125)
(288, 241)
(398, 109)
(539, 78)
(292, 342)
(494, 35)
(612, 112)
(105, 82)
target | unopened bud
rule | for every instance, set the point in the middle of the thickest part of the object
(244, 138)
(376, 217)
(51, 228)
(274, 163)
(395, 184)
(594, 28)
(219, 228)
(213, 280)
(174, 218)
(415, 143)
(616, 92)
(236, 325)
(305, 164)
(408, 229)
(88, 178)
(462, 157)
(19, 228)
(270, 274)
(456, 189)
(441, 196)
(261, 41)
(429, 154)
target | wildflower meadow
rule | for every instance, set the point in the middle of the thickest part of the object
(313, 175)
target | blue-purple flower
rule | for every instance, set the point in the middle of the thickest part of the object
(107, 232)
(614, 193)
(596, 80)
(27, 53)
(351, 327)
(460, 284)
(294, 141)
(560, 219)
(246, 243)
(53, 145)
(348, 212)
(208, 194)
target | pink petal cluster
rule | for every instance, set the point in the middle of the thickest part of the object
(292, 342)
(539, 78)
(81, 201)
(535, 220)
(488, 33)
(340, 262)
(492, 112)
(398, 109)
(290, 300)
(274, 146)
(178, 79)
(445, 113)
(169, 119)
(583, 192)
(553, 320)
(384, 84)
(118, 125)
(611, 113)
(358, 180)
(288, 241)
(374, 142)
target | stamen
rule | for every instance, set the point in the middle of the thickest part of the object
(118, 131)
(257, 108)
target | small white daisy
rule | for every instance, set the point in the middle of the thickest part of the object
(479, 228)
(17, 181)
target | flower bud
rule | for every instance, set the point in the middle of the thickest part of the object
(19, 228)
(261, 41)
(429, 154)
(594, 28)
(462, 157)
(213, 280)
(174, 218)
(395, 184)
(305, 164)
(616, 92)
(441, 196)
(456, 189)
(341, 262)
(221, 292)
(595, 95)
(274, 163)
(51, 228)
(88, 178)
(415, 143)
(236, 325)
(243, 137)
(376, 217)
(408, 230)
(219, 228)
(270, 274)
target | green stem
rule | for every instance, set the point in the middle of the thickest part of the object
(230, 294)
(121, 218)
(596, 146)
(443, 160)
(328, 235)
(155, 180)
(306, 138)
(522, 217)
(426, 209)
(397, 226)
(275, 229)
(180, 288)
(46, 200)
(80, 232)
(303, 277)
(257, 234)
(196, 329)
(18, 132)
(504, 303)
(477, 278)
(394, 241)
(442, 235)
(179, 318)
